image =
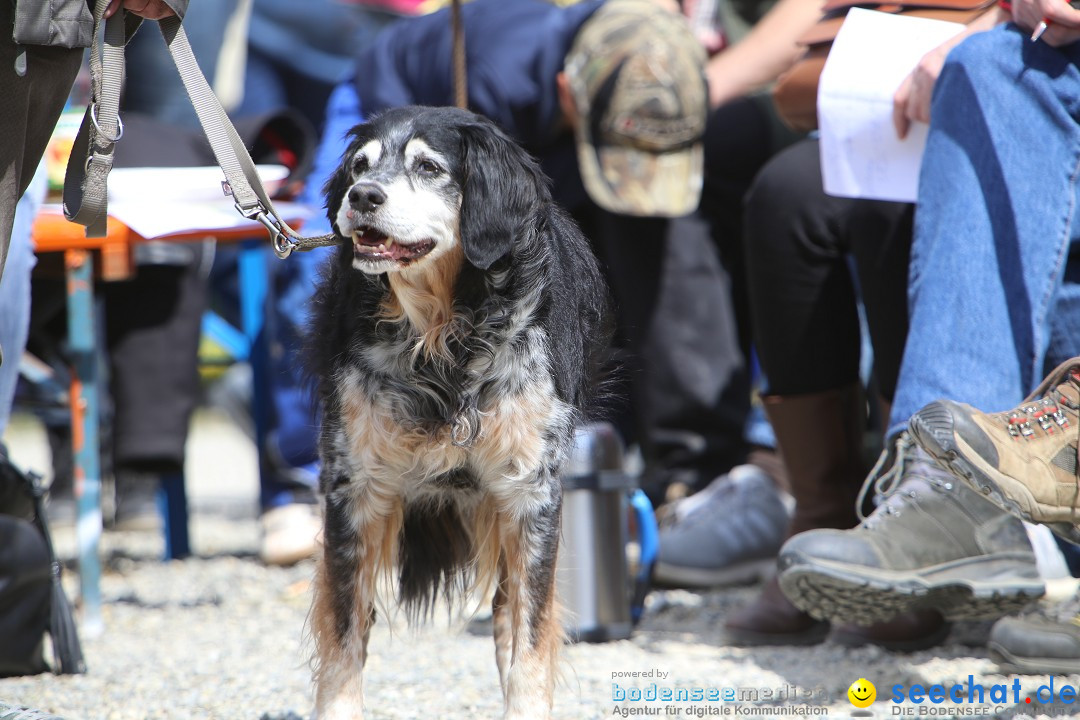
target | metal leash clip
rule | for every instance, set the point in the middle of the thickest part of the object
(283, 243)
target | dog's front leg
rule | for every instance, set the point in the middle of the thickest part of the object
(530, 545)
(343, 606)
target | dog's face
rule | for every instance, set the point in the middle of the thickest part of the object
(415, 182)
(401, 207)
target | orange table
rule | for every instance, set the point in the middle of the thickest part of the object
(53, 233)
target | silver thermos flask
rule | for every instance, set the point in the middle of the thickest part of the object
(595, 586)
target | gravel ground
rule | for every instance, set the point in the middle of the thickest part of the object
(221, 636)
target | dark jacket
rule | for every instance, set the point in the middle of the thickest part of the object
(514, 49)
(66, 23)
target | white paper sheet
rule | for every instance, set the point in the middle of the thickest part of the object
(161, 219)
(861, 156)
(181, 183)
(159, 202)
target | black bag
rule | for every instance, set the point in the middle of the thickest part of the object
(32, 600)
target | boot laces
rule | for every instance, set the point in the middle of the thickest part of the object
(1044, 408)
(886, 479)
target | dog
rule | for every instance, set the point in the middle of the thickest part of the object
(455, 339)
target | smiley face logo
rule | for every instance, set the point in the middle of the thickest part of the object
(862, 693)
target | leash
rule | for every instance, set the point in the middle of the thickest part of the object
(461, 88)
(85, 185)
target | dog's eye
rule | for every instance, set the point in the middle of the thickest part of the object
(428, 167)
(360, 164)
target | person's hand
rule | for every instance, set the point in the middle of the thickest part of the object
(1063, 21)
(149, 9)
(911, 101)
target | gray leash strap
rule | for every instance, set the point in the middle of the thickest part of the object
(242, 180)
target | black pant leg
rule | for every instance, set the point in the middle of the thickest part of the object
(803, 297)
(153, 323)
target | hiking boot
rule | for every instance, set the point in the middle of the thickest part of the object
(1045, 640)
(932, 542)
(1024, 459)
(21, 712)
(727, 534)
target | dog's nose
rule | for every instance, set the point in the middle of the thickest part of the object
(365, 197)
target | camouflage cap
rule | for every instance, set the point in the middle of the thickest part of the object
(637, 76)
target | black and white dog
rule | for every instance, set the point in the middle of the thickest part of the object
(455, 337)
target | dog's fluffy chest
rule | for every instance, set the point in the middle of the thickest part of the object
(488, 434)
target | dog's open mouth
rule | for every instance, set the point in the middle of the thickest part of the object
(372, 245)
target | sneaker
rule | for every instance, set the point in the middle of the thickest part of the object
(289, 533)
(728, 533)
(21, 712)
(931, 543)
(1024, 459)
(1045, 640)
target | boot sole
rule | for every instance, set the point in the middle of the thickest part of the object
(933, 432)
(830, 592)
(1013, 664)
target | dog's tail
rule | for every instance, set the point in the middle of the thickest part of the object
(437, 558)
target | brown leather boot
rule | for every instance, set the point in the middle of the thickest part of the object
(771, 619)
(907, 632)
(820, 436)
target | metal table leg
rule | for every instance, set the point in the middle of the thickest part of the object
(79, 269)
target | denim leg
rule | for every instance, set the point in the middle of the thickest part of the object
(342, 114)
(292, 441)
(290, 471)
(994, 225)
(1065, 316)
(15, 292)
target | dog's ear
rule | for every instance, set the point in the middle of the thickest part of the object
(338, 184)
(503, 188)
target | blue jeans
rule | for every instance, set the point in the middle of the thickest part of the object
(293, 439)
(994, 283)
(15, 292)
